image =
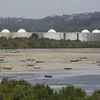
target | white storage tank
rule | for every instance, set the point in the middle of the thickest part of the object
(51, 31)
(96, 31)
(52, 34)
(21, 31)
(5, 31)
(85, 31)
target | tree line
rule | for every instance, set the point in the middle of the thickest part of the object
(35, 42)
(22, 90)
(69, 23)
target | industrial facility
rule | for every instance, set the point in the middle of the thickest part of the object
(84, 35)
(20, 33)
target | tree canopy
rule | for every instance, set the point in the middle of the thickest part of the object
(34, 42)
(22, 90)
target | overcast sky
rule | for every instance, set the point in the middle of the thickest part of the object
(43, 8)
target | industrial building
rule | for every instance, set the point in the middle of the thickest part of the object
(20, 33)
(84, 35)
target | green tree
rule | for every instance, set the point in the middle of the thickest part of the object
(71, 93)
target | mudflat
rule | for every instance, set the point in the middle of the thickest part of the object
(49, 59)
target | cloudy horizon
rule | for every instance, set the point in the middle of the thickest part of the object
(37, 9)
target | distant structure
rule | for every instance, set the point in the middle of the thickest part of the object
(52, 34)
(51, 31)
(85, 31)
(5, 31)
(21, 31)
(84, 35)
(95, 31)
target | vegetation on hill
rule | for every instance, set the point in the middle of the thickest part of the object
(74, 22)
(22, 90)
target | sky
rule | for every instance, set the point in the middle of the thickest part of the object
(37, 9)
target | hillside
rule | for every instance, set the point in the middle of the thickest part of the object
(74, 22)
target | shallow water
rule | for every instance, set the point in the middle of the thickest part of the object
(88, 78)
(74, 50)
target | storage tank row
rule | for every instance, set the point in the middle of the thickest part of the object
(20, 33)
(8, 31)
(84, 35)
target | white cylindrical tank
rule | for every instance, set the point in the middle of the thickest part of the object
(21, 31)
(52, 35)
(99, 31)
(51, 31)
(5, 31)
(85, 31)
(95, 31)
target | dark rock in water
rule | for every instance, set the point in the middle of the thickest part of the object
(29, 59)
(68, 68)
(48, 76)
(30, 65)
(1, 59)
(83, 57)
(98, 61)
(39, 61)
(23, 60)
(74, 60)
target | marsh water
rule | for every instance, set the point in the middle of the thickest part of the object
(87, 79)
